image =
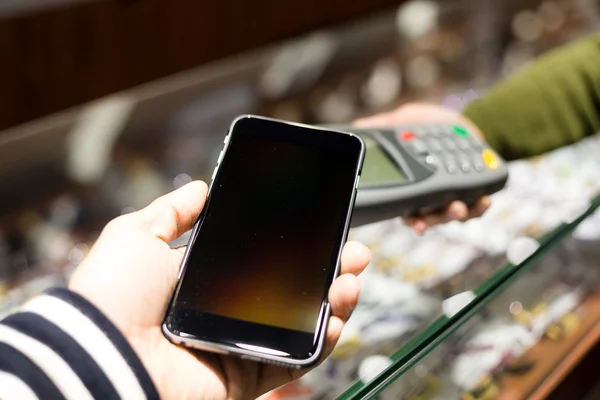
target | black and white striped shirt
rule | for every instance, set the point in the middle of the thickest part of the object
(59, 346)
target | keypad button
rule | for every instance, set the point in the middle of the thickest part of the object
(430, 160)
(476, 161)
(449, 144)
(459, 130)
(490, 159)
(421, 131)
(419, 147)
(465, 166)
(407, 136)
(451, 166)
(478, 164)
(475, 144)
(462, 144)
(434, 145)
(446, 131)
(435, 131)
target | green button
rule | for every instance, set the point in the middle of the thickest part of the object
(459, 130)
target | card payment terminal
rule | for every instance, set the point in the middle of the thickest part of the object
(412, 170)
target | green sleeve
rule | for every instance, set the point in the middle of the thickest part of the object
(553, 102)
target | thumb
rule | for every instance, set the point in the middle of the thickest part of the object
(173, 214)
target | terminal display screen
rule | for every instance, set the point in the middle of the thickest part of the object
(379, 168)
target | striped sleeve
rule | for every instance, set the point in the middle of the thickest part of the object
(59, 346)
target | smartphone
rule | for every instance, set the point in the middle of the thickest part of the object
(256, 273)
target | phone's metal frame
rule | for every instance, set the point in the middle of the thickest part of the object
(265, 357)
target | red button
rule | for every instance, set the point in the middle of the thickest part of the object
(407, 135)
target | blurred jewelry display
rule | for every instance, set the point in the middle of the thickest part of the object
(444, 52)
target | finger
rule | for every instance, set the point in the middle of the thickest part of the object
(417, 224)
(334, 331)
(382, 119)
(343, 295)
(355, 258)
(177, 258)
(480, 207)
(181, 249)
(173, 214)
(456, 211)
(409, 113)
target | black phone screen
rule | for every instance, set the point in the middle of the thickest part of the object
(270, 235)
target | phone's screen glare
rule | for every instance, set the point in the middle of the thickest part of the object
(267, 243)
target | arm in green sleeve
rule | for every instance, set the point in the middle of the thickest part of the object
(553, 102)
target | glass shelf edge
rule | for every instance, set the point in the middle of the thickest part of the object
(443, 327)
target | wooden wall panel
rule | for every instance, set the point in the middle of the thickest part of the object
(59, 58)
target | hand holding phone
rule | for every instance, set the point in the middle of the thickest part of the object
(264, 252)
(129, 275)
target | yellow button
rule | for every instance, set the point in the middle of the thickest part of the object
(490, 159)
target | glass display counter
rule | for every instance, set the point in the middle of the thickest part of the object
(477, 310)
(512, 337)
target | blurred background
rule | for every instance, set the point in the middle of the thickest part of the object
(107, 104)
